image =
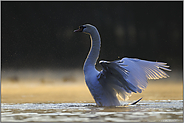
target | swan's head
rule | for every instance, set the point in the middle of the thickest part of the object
(87, 28)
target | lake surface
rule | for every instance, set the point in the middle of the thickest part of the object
(49, 96)
(144, 111)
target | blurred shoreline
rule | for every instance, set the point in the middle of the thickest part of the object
(63, 75)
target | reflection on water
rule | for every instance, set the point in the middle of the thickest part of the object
(144, 111)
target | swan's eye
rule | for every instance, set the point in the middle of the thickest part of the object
(82, 27)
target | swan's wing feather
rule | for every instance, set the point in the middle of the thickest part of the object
(130, 75)
(152, 70)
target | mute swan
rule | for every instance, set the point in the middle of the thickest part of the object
(117, 78)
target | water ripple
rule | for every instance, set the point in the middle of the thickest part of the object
(144, 111)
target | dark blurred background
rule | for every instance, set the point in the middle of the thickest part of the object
(40, 35)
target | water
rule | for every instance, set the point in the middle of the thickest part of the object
(144, 111)
(49, 96)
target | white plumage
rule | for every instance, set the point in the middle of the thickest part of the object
(117, 78)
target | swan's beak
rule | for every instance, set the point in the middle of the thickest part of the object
(78, 30)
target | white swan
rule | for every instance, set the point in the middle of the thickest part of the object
(120, 77)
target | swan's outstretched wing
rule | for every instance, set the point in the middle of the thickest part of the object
(129, 75)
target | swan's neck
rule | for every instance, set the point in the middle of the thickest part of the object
(94, 51)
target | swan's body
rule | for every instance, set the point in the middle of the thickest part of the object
(120, 77)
